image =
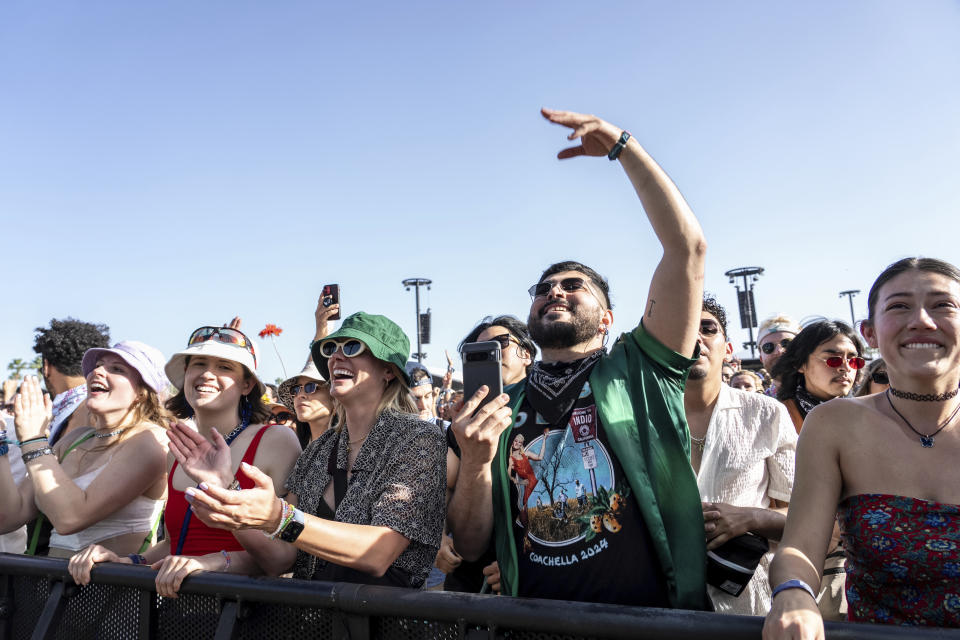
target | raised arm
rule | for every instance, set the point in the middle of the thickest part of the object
(136, 466)
(673, 305)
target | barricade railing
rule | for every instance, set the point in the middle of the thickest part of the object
(39, 600)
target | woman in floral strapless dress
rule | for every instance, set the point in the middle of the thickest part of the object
(886, 467)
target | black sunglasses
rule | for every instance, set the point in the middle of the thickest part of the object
(308, 388)
(709, 328)
(880, 377)
(769, 347)
(504, 339)
(283, 416)
(569, 285)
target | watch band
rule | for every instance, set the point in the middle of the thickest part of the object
(294, 527)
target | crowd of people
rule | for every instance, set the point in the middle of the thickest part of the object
(651, 469)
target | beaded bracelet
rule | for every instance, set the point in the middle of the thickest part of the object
(284, 508)
(33, 455)
(4, 443)
(136, 558)
(226, 559)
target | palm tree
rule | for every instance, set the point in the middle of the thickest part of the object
(17, 365)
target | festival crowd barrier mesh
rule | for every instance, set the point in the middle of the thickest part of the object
(39, 600)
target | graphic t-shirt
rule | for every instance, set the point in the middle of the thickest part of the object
(579, 532)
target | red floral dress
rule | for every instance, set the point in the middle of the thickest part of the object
(903, 560)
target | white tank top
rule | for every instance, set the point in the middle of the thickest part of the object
(138, 515)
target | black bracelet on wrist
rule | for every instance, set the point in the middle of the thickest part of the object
(618, 147)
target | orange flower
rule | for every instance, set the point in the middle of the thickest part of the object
(270, 330)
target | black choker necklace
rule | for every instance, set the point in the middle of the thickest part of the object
(926, 441)
(925, 397)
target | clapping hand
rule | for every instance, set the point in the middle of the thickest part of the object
(32, 410)
(201, 459)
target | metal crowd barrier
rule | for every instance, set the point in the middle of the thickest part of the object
(39, 600)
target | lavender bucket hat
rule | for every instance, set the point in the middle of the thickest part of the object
(147, 360)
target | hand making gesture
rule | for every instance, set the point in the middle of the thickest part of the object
(597, 137)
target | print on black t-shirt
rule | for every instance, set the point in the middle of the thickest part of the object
(579, 532)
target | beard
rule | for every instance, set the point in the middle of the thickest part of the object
(698, 372)
(562, 335)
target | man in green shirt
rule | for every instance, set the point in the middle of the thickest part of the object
(614, 422)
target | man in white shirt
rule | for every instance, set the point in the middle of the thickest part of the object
(742, 448)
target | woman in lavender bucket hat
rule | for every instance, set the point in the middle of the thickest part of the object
(103, 483)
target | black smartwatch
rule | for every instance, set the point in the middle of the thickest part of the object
(294, 528)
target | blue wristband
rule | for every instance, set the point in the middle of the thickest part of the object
(793, 584)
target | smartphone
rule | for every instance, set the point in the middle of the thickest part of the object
(331, 295)
(481, 366)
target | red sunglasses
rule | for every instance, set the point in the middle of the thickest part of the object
(834, 362)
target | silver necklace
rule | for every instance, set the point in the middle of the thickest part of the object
(926, 441)
(109, 435)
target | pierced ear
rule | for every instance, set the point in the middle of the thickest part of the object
(606, 321)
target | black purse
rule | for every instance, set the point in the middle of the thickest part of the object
(732, 565)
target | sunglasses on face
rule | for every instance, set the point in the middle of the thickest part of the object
(854, 362)
(770, 347)
(880, 377)
(504, 339)
(351, 347)
(308, 388)
(226, 335)
(568, 285)
(709, 328)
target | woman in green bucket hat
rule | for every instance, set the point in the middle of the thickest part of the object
(366, 501)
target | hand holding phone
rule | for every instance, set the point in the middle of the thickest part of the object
(331, 296)
(481, 366)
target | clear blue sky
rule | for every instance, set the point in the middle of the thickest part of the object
(168, 165)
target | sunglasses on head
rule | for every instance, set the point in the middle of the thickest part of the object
(226, 335)
(350, 347)
(569, 285)
(880, 377)
(308, 388)
(770, 347)
(854, 362)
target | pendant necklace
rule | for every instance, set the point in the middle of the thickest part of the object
(700, 442)
(926, 441)
(350, 442)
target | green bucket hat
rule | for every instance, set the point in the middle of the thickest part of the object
(386, 341)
